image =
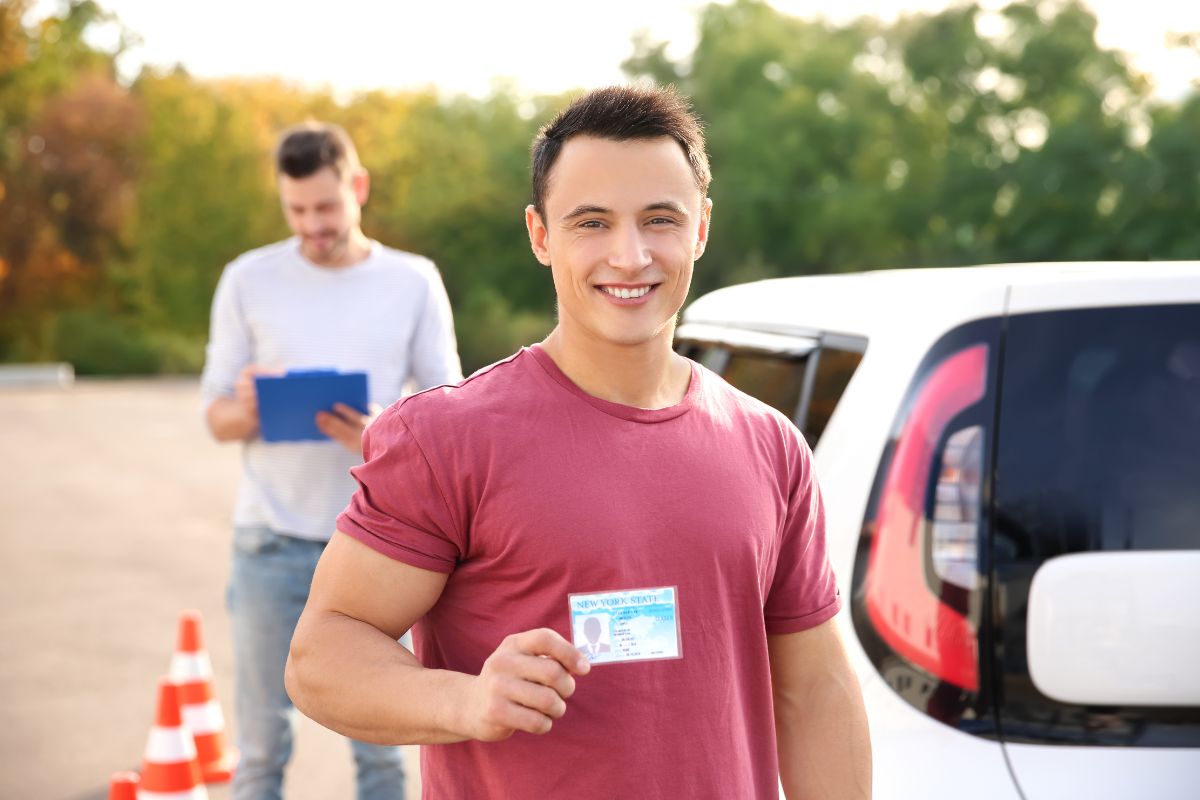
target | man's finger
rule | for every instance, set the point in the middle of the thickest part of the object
(545, 642)
(331, 424)
(547, 672)
(351, 415)
(348, 435)
(520, 717)
(536, 697)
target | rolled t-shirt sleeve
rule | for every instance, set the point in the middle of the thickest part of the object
(804, 591)
(399, 509)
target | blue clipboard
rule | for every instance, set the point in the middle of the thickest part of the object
(288, 404)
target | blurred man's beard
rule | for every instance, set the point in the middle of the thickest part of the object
(324, 246)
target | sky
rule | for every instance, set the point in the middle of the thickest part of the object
(534, 46)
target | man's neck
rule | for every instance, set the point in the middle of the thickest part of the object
(648, 375)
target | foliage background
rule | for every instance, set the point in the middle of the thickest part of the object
(940, 139)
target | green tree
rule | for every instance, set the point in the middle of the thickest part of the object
(1157, 215)
(801, 139)
(966, 136)
(206, 194)
(450, 180)
(68, 163)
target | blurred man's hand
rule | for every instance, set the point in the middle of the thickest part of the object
(345, 425)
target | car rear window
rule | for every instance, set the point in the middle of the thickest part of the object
(804, 387)
(832, 374)
(776, 380)
(1098, 450)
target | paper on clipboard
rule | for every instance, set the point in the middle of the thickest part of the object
(288, 404)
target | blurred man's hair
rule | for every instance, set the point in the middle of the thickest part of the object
(621, 113)
(310, 146)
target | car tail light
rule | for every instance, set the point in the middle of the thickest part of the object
(958, 508)
(914, 618)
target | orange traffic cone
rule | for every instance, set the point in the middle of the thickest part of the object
(123, 786)
(192, 670)
(169, 768)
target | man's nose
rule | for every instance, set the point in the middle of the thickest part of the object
(630, 250)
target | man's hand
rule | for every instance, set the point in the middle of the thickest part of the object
(345, 425)
(236, 418)
(347, 671)
(245, 393)
(524, 686)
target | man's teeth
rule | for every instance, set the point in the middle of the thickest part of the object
(625, 294)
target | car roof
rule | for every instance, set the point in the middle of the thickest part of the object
(863, 302)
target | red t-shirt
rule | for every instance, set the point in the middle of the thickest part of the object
(525, 489)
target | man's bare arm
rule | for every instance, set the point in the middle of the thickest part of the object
(820, 721)
(347, 671)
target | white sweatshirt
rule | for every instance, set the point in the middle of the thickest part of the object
(387, 316)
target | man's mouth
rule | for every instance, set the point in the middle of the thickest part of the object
(626, 292)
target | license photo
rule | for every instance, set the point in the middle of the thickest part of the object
(632, 625)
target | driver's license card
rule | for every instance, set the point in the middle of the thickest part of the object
(632, 625)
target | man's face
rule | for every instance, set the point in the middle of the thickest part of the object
(323, 209)
(624, 222)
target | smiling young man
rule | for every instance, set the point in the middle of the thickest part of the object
(327, 298)
(598, 474)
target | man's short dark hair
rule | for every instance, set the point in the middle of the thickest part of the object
(621, 113)
(310, 146)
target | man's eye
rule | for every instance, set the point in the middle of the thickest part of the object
(591, 223)
(662, 221)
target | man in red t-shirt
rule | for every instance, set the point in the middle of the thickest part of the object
(614, 561)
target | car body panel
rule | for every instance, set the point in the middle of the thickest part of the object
(1105, 773)
(918, 757)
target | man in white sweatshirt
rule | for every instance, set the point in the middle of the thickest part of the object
(327, 298)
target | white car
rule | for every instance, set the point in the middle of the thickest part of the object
(1010, 461)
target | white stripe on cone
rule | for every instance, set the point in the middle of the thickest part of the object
(169, 746)
(189, 667)
(195, 793)
(204, 718)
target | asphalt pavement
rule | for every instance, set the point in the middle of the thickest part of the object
(114, 517)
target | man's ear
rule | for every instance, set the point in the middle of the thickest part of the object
(705, 226)
(538, 235)
(360, 181)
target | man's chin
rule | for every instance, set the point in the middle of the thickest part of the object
(317, 254)
(625, 337)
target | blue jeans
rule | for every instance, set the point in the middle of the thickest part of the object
(268, 587)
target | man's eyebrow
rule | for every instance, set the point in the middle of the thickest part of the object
(667, 205)
(661, 205)
(581, 211)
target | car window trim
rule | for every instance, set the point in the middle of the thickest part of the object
(775, 344)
